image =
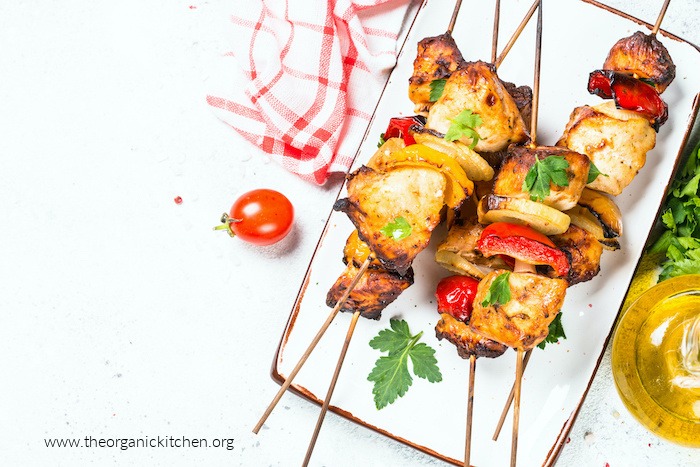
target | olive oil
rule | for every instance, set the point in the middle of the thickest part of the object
(656, 359)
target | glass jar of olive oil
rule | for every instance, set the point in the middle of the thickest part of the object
(656, 359)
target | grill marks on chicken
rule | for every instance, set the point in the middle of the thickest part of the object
(523, 322)
(437, 58)
(376, 199)
(376, 288)
(522, 96)
(583, 251)
(374, 291)
(615, 140)
(475, 86)
(466, 341)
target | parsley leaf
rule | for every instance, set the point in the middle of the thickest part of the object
(381, 140)
(464, 125)
(556, 331)
(680, 242)
(436, 89)
(593, 173)
(551, 169)
(398, 229)
(390, 374)
(499, 292)
(394, 339)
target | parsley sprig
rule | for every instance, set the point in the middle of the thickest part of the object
(465, 125)
(680, 242)
(436, 89)
(390, 374)
(556, 332)
(398, 229)
(499, 291)
(551, 169)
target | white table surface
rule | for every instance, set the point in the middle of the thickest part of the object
(122, 314)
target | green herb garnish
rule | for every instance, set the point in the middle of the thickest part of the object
(556, 332)
(680, 242)
(464, 124)
(381, 140)
(593, 173)
(436, 89)
(398, 229)
(390, 374)
(499, 291)
(551, 169)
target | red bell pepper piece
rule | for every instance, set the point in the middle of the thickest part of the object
(399, 128)
(455, 296)
(524, 244)
(629, 93)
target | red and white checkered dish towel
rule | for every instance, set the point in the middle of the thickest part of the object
(314, 71)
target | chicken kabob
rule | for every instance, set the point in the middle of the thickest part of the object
(616, 137)
(533, 187)
(476, 87)
(515, 307)
(376, 203)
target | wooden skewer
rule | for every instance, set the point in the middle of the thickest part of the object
(516, 406)
(312, 345)
(470, 411)
(453, 20)
(506, 408)
(472, 358)
(657, 26)
(327, 400)
(494, 37)
(515, 36)
(536, 80)
(533, 135)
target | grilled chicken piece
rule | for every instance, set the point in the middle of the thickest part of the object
(520, 159)
(476, 87)
(615, 140)
(375, 290)
(523, 322)
(468, 343)
(457, 253)
(643, 56)
(583, 251)
(522, 95)
(438, 57)
(377, 199)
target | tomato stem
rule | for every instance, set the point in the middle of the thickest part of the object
(226, 222)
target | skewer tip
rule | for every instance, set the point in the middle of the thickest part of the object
(660, 18)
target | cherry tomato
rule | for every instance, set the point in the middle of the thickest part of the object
(455, 296)
(261, 217)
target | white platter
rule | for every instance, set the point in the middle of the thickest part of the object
(431, 417)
